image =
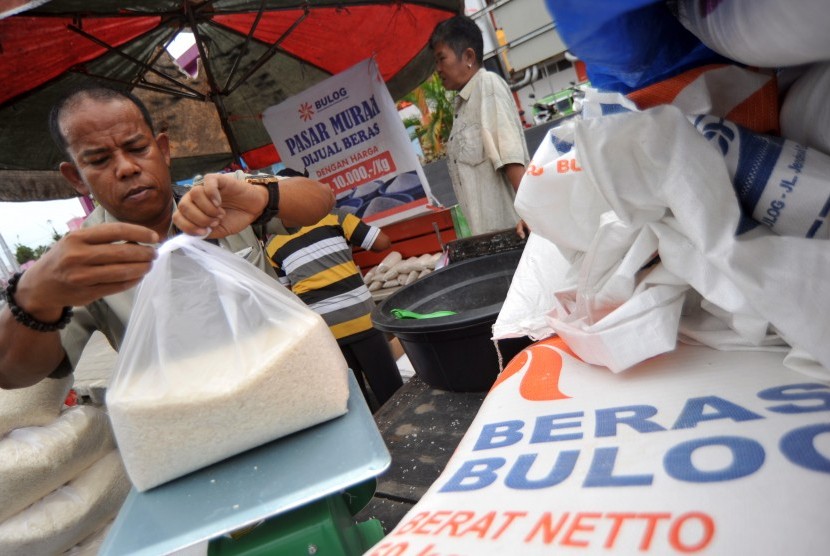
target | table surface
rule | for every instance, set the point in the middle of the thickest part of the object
(421, 427)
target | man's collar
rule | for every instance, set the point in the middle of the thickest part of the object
(467, 90)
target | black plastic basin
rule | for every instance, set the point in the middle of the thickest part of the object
(455, 352)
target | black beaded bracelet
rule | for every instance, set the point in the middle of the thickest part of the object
(273, 206)
(25, 318)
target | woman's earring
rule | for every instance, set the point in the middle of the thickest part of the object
(469, 66)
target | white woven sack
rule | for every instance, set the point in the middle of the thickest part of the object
(70, 514)
(34, 461)
(34, 406)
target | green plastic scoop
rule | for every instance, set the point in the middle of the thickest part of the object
(404, 314)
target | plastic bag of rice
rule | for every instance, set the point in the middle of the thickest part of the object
(69, 514)
(426, 260)
(218, 358)
(369, 277)
(411, 277)
(33, 406)
(408, 265)
(389, 261)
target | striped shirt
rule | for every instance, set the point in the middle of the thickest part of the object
(316, 263)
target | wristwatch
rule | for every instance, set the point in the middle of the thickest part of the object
(272, 208)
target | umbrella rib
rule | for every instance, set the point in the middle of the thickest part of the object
(284, 52)
(215, 95)
(136, 61)
(144, 85)
(162, 89)
(268, 54)
(244, 48)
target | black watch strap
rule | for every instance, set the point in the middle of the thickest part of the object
(273, 206)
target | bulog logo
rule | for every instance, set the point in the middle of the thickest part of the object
(544, 366)
(306, 111)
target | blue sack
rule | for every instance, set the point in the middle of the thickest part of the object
(628, 44)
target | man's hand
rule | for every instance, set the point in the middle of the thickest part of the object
(86, 265)
(225, 205)
(304, 202)
(522, 229)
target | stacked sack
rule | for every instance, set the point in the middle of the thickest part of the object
(61, 478)
(789, 36)
(394, 271)
(700, 221)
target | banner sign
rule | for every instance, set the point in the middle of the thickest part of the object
(346, 131)
(697, 451)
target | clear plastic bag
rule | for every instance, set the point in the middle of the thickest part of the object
(218, 358)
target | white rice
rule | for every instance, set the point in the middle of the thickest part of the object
(164, 435)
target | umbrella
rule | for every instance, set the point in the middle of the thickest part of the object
(253, 54)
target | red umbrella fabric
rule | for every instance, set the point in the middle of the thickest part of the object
(254, 54)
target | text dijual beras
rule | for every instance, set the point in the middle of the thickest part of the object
(326, 139)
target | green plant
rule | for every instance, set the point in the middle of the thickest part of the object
(436, 106)
(24, 254)
(411, 121)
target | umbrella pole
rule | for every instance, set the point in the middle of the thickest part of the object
(215, 93)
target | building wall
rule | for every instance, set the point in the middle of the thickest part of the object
(520, 39)
(520, 32)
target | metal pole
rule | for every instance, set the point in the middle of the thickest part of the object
(5, 271)
(214, 90)
(12, 260)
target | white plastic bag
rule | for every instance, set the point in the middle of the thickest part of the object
(218, 358)
(669, 194)
(555, 199)
(389, 261)
(672, 181)
(541, 272)
(780, 184)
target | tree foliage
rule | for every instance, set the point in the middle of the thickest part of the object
(24, 254)
(436, 106)
(40, 250)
